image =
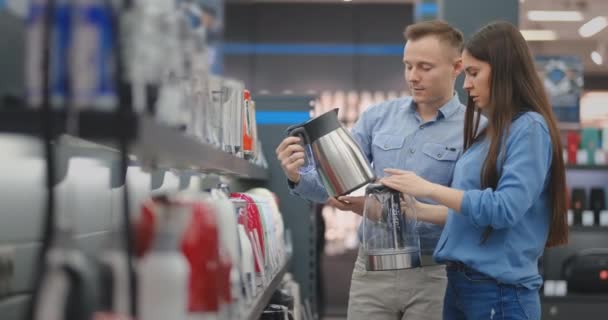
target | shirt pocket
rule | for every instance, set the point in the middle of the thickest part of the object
(441, 161)
(387, 152)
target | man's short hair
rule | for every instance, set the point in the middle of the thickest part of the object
(440, 29)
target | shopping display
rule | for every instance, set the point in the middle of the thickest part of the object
(136, 184)
(151, 53)
(196, 249)
(586, 147)
(219, 286)
(588, 207)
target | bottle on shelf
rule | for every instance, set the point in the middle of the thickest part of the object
(590, 143)
(578, 203)
(92, 52)
(248, 125)
(60, 42)
(597, 203)
(164, 271)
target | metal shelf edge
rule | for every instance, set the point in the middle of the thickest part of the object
(261, 301)
(170, 148)
(153, 143)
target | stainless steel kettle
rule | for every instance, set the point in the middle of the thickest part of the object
(330, 148)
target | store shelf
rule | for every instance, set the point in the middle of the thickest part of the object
(261, 301)
(588, 229)
(89, 124)
(569, 125)
(578, 298)
(150, 142)
(166, 147)
(586, 167)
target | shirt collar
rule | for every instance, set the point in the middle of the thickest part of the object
(446, 111)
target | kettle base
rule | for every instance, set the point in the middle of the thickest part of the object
(392, 261)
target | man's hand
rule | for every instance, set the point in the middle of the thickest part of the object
(291, 155)
(347, 203)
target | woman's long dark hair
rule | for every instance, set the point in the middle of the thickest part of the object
(515, 87)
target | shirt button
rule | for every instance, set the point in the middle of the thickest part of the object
(439, 155)
(421, 127)
(412, 151)
(386, 146)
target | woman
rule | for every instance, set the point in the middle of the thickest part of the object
(507, 198)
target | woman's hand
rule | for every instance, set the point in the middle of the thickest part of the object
(408, 182)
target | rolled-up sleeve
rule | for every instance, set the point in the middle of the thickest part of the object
(309, 188)
(524, 175)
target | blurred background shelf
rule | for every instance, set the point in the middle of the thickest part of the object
(578, 297)
(150, 142)
(588, 229)
(586, 167)
(569, 125)
(89, 124)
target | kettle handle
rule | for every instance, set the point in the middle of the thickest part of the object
(300, 132)
(308, 158)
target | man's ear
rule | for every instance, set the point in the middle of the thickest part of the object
(457, 66)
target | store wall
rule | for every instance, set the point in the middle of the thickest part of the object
(464, 14)
(306, 48)
(11, 60)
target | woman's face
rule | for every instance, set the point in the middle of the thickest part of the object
(477, 79)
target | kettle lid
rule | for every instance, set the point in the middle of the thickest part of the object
(377, 188)
(319, 126)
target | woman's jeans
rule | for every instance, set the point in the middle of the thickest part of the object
(472, 295)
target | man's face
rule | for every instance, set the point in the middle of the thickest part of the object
(430, 69)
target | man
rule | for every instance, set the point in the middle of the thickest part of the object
(422, 133)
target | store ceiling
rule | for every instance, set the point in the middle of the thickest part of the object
(329, 1)
(568, 41)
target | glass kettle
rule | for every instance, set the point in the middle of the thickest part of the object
(390, 238)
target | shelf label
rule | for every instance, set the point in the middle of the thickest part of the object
(588, 218)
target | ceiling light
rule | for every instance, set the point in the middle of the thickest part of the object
(539, 35)
(597, 58)
(593, 26)
(545, 15)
